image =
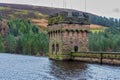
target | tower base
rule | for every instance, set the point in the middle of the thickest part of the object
(59, 57)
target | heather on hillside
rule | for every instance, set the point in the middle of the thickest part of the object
(39, 12)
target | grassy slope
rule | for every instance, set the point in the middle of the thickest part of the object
(9, 12)
(41, 9)
(37, 14)
(42, 23)
(31, 10)
(97, 28)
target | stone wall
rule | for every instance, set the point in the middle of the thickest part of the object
(55, 41)
(75, 35)
(96, 57)
(66, 38)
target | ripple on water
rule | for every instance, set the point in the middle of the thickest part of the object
(19, 67)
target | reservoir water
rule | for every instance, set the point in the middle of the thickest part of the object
(19, 67)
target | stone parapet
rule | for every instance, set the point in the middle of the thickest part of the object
(97, 57)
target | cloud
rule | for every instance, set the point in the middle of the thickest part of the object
(116, 10)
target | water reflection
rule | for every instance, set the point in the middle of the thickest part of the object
(68, 70)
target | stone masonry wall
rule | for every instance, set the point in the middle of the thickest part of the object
(55, 39)
(65, 37)
(75, 35)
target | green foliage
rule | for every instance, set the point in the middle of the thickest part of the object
(109, 40)
(2, 47)
(21, 26)
(108, 22)
(32, 44)
(10, 44)
(24, 38)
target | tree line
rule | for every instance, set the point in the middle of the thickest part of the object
(108, 41)
(104, 21)
(24, 38)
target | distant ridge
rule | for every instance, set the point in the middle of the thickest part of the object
(41, 9)
(40, 12)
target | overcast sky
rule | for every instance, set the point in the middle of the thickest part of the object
(109, 8)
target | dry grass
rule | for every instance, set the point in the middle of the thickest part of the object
(96, 28)
(40, 22)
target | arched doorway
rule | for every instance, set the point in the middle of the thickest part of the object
(75, 48)
(53, 48)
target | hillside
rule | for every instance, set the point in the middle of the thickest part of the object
(8, 11)
(41, 9)
(28, 11)
(96, 28)
(42, 23)
(41, 12)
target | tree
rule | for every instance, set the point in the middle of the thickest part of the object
(10, 44)
(2, 46)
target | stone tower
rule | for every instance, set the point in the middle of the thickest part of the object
(68, 32)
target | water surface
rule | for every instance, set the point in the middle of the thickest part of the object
(19, 67)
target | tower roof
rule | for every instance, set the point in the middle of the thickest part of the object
(69, 17)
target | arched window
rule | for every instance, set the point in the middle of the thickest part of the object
(75, 48)
(49, 35)
(57, 48)
(53, 48)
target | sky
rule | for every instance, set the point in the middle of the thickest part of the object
(108, 8)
